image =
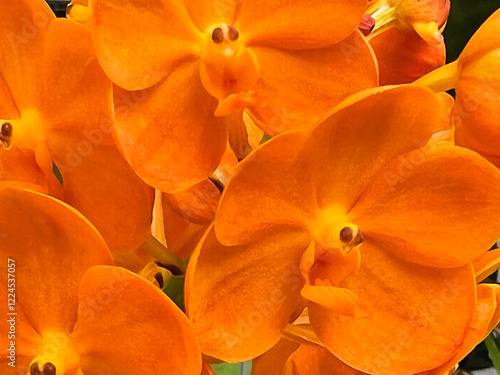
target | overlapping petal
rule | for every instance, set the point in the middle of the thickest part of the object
(266, 278)
(44, 234)
(150, 337)
(181, 235)
(485, 317)
(458, 183)
(403, 56)
(264, 194)
(173, 146)
(197, 204)
(23, 28)
(301, 86)
(422, 304)
(158, 35)
(362, 134)
(72, 79)
(99, 183)
(298, 24)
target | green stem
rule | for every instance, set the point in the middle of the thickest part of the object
(493, 351)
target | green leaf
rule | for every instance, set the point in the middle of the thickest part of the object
(227, 368)
(243, 368)
(493, 351)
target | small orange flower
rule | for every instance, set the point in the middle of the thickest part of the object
(406, 39)
(476, 111)
(73, 312)
(56, 108)
(343, 226)
(199, 64)
(475, 76)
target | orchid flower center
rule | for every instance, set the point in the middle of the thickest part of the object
(56, 355)
(229, 69)
(26, 131)
(332, 229)
(334, 251)
(331, 258)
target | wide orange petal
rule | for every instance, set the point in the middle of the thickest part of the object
(273, 361)
(197, 204)
(23, 29)
(315, 360)
(53, 245)
(365, 132)
(486, 316)
(241, 298)
(298, 24)
(138, 44)
(128, 326)
(98, 182)
(168, 133)
(271, 188)
(410, 304)
(456, 183)
(403, 56)
(302, 86)
(81, 100)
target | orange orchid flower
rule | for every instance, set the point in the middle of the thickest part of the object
(476, 79)
(57, 109)
(406, 38)
(343, 226)
(193, 67)
(74, 313)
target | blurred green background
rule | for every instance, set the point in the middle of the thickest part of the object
(465, 18)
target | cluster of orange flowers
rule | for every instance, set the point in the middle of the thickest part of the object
(300, 162)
